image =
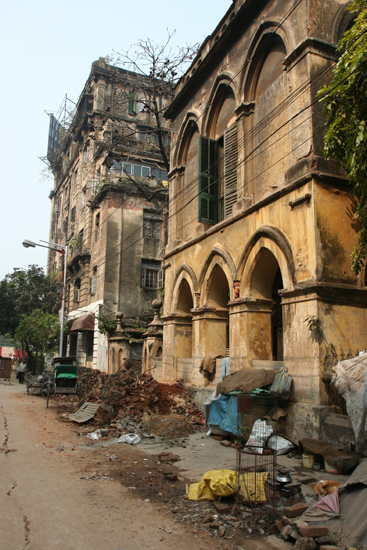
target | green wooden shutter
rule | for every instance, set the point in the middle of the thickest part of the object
(208, 180)
(230, 170)
(132, 103)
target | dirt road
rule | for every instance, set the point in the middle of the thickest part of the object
(58, 490)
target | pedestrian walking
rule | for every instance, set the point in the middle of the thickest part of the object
(21, 371)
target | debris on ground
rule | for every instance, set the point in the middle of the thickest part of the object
(84, 413)
(130, 403)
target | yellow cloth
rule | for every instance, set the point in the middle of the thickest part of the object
(252, 486)
(223, 483)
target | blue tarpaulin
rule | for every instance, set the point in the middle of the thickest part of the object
(223, 413)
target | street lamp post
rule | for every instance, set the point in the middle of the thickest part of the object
(64, 251)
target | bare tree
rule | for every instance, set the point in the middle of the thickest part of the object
(162, 65)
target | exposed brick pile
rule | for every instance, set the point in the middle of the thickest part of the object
(125, 394)
(303, 535)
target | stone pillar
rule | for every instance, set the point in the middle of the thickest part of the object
(250, 331)
(153, 345)
(118, 347)
(209, 326)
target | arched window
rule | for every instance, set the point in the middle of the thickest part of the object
(270, 67)
(218, 158)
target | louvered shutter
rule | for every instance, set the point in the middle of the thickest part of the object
(208, 180)
(132, 103)
(230, 169)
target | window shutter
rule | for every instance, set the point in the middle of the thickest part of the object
(142, 282)
(230, 169)
(208, 180)
(93, 282)
(132, 103)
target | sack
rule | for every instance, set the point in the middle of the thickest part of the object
(282, 385)
(18, 376)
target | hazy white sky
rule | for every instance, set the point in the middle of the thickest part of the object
(46, 51)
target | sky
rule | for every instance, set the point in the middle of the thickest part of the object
(46, 51)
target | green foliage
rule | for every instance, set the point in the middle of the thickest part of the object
(312, 322)
(38, 333)
(23, 291)
(107, 323)
(346, 109)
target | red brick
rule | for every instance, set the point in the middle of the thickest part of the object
(276, 527)
(295, 510)
(221, 507)
(314, 531)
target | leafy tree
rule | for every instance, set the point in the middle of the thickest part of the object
(23, 291)
(346, 108)
(38, 333)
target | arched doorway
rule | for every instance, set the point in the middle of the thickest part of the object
(265, 284)
(217, 323)
(183, 321)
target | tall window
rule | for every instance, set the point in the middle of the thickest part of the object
(77, 290)
(84, 197)
(152, 225)
(132, 103)
(151, 274)
(218, 176)
(93, 281)
(97, 227)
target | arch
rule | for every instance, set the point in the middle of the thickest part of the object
(277, 243)
(217, 253)
(342, 22)
(187, 129)
(222, 87)
(185, 300)
(217, 287)
(186, 273)
(190, 272)
(269, 33)
(217, 291)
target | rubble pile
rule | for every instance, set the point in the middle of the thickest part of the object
(125, 395)
(303, 535)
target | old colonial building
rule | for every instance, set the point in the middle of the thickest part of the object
(108, 207)
(260, 227)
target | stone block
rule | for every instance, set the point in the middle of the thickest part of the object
(286, 532)
(305, 543)
(298, 498)
(222, 507)
(313, 531)
(295, 511)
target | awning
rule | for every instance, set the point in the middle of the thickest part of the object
(83, 323)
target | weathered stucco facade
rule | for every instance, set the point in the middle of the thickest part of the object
(108, 206)
(260, 228)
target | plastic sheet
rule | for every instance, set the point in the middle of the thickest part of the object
(279, 444)
(130, 439)
(259, 436)
(95, 435)
(349, 378)
(222, 412)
